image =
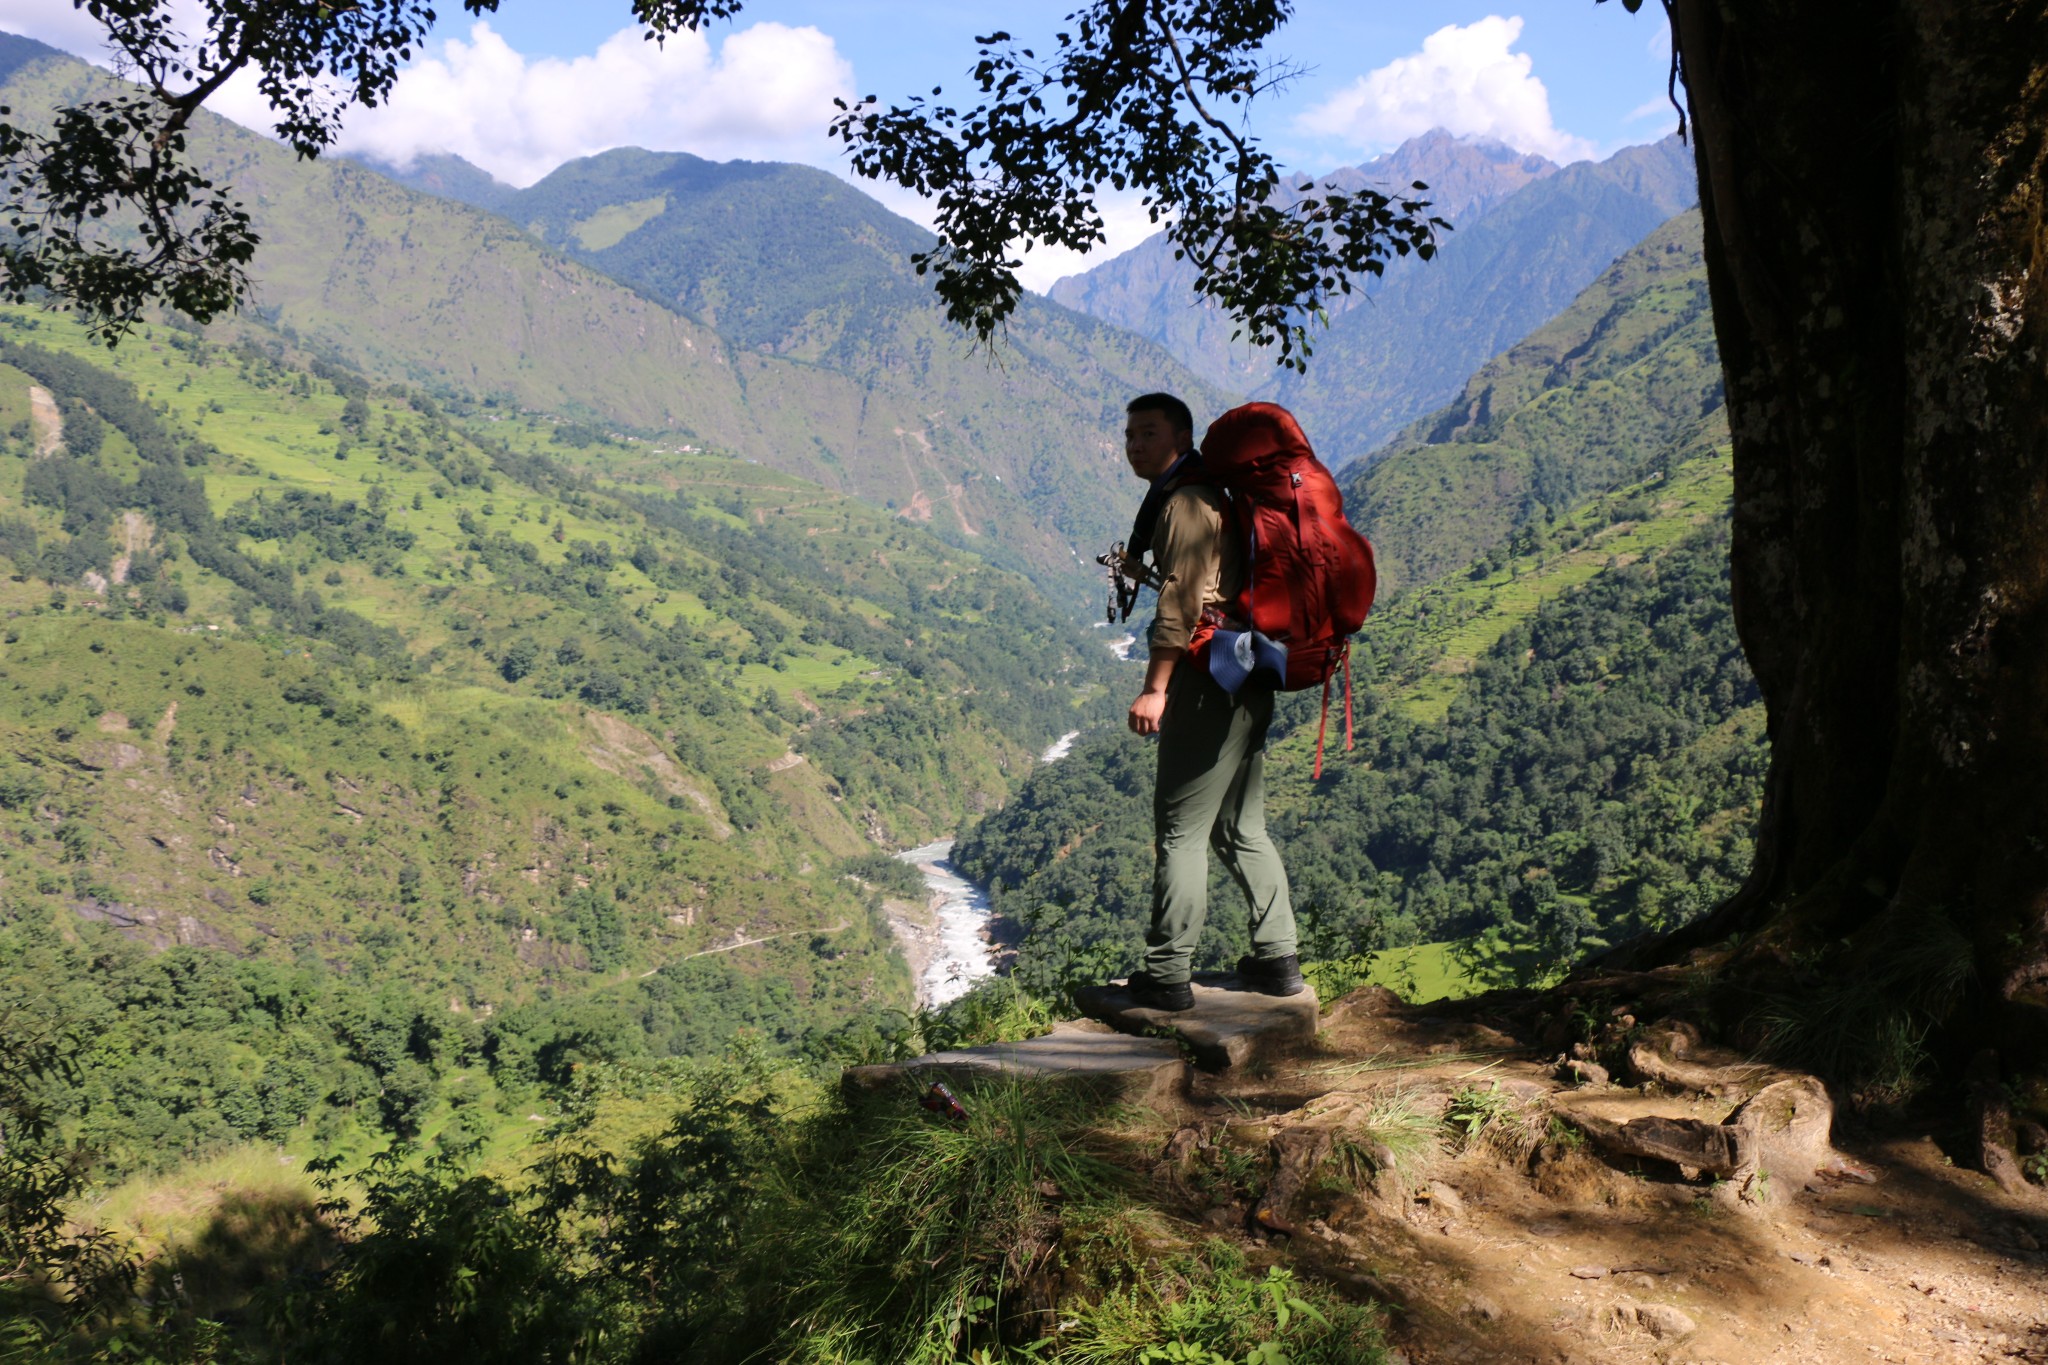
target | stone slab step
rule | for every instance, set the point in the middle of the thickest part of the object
(1228, 1027)
(1134, 1070)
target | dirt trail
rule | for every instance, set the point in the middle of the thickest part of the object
(136, 533)
(957, 494)
(47, 419)
(1526, 1246)
(744, 942)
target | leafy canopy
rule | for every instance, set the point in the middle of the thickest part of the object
(110, 214)
(1139, 94)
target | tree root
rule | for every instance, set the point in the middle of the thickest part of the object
(1991, 1123)
(1672, 1055)
(1776, 1140)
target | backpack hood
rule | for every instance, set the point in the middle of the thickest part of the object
(1251, 440)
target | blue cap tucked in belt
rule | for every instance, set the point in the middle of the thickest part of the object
(1238, 656)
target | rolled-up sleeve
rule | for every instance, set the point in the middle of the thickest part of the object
(1187, 547)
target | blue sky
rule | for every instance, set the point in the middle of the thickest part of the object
(544, 81)
(1598, 63)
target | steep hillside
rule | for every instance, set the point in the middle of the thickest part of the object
(1014, 455)
(1145, 290)
(788, 261)
(1626, 377)
(1379, 368)
(495, 712)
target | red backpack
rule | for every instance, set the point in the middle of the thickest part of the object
(1309, 577)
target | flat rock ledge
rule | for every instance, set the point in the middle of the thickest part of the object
(1134, 1055)
(1228, 1027)
(1146, 1071)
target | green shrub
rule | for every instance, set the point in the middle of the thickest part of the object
(899, 1238)
(1208, 1308)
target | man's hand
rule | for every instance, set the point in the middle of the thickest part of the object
(1151, 703)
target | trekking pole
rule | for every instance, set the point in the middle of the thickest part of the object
(1123, 588)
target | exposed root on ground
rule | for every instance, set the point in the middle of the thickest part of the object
(1587, 1178)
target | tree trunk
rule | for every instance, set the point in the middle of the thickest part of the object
(1874, 179)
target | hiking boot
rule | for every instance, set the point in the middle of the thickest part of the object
(1271, 975)
(1172, 997)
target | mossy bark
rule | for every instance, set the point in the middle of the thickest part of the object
(1874, 180)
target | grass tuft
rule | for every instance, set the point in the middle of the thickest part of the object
(1497, 1120)
(901, 1239)
(1209, 1307)
(1871, 1007)
(1395, 1135)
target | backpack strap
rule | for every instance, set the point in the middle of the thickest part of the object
(1349, 742)
(1323, 725)
(1183, 471)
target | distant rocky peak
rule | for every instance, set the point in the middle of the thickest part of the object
(1466, 175)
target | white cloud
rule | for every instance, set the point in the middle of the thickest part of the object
(766, 94)
(1466, 80)
(1125, 223)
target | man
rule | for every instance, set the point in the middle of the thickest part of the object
(1212, 745)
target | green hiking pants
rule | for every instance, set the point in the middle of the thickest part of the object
(1212, 794)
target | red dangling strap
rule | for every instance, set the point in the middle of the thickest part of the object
(1323, 725)
(1349, 742)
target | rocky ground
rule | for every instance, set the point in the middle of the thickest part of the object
(916, 927)
(1510, 1202)
(1529, 1235)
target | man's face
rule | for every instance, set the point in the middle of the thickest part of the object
(1152, 443)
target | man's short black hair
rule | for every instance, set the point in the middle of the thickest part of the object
(1176, 411)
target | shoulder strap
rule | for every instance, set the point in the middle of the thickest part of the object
(1184, 471)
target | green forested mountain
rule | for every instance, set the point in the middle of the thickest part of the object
(1526, 239)
(1379, 368)
(788, 261)
(1014, 455)
(382, 719)
(1145, 290)
(450, 177)
(779, 258)
(1625, 379)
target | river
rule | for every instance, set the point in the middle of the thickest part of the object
(1060, 747)
(963, 955)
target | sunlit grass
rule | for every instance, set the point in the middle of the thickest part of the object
(1498, 603)
(1427, 971)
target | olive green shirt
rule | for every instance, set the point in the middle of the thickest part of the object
(1198, 565)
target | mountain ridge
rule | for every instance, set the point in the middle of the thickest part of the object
(1145, 290)
(415, 288)
(1632, 359)
(1380, 367)
(1400, 345)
